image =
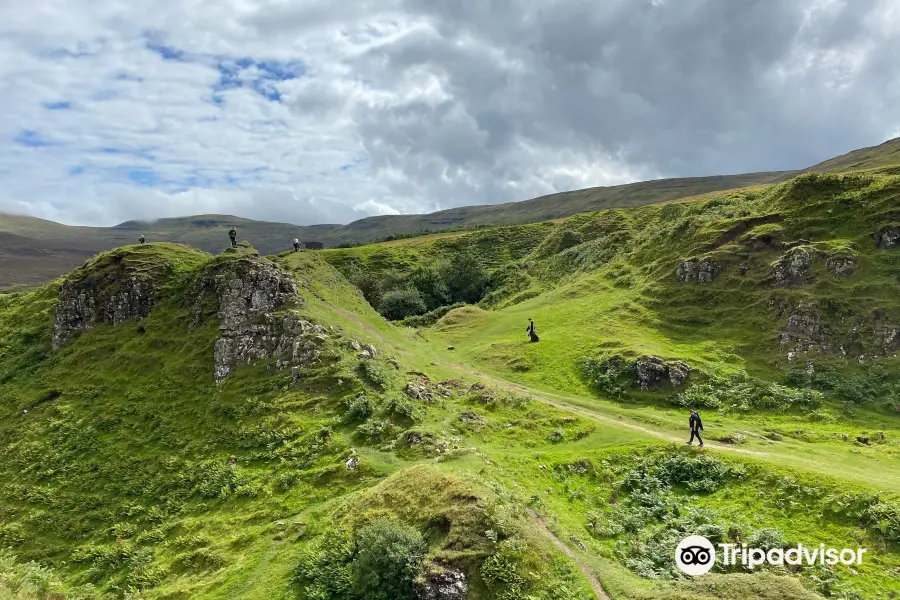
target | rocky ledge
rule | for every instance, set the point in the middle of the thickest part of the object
(253, 301)
(442, 584)
(108, 289)
(652, 371)
(694, 271)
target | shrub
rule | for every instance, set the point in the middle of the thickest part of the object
(431, 317)
(427, 280)
(466, 278)
(569, 239)
(611, 375)
(745, 393)
(358, 408)
(376, 373)
(324, 571)
(376, 431)
(370, 286)
(402, 303)
(389, 556)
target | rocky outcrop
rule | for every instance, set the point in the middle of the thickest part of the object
(842, 265)
(805, 331)
(252, 299)
(84, 304)
(652, 371)
(848, 334)
(442, 584)
(887, 237)
(113, 288)
(693, 271)
(794, 267)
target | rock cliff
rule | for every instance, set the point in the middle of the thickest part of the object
(253, 301)
(112, 288)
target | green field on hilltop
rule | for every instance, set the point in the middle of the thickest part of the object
(182, 425)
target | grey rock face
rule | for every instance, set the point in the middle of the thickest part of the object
(842, 265)
(251, 296)
(652, 371)
(794, 268)
(888, 237)
(84, 303)
(442, 584)
(692, 271)
(805, 331)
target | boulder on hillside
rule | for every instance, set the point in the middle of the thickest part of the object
(794, 267)
(842, 265)
(805, 330)
(887, 237)
(652, 371)
(441, 583)
(693, 271)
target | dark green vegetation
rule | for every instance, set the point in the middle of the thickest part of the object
(344, 457)
(33, 251)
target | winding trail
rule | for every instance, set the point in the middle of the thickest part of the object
(595, 584)
(550, 398)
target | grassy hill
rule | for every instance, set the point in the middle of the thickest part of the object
(182, 425)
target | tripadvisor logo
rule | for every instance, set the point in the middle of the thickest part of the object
(696, 555)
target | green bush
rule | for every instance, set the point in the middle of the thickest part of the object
(402, 303)
(370, 286)
(466, 278)
(569, 239)
(431, 286)
(612, 376)
(389, 556)
(376, 373)
(745, 393)
(431, 317)
(324, 572)
(358, 408)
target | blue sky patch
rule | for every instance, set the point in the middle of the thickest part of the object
(57, 105)
(31, 139)
(147, 177)
(76, 170)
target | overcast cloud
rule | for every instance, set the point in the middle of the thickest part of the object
(313, 111)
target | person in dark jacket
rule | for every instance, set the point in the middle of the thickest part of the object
(696, 427)
(141, 239)
(232, 233)
(530, 331)
(296, 245)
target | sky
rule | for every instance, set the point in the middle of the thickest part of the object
(315, 111)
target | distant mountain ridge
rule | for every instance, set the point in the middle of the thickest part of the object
(34, 250)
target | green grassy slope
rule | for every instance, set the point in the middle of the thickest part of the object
(126, 469)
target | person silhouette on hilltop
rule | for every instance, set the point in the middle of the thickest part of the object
(296, 245)
(141, 239)
(232, 233)
(530, 331)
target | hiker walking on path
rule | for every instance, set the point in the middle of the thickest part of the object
(296, 245)
(232, 233)
(530, 331)
(696, 427)
(141, 239)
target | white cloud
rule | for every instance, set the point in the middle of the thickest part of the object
(314, 112)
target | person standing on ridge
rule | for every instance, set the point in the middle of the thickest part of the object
(296, 245)
(696, 427)
(141, 239)
(232, 233)
(530, 331)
